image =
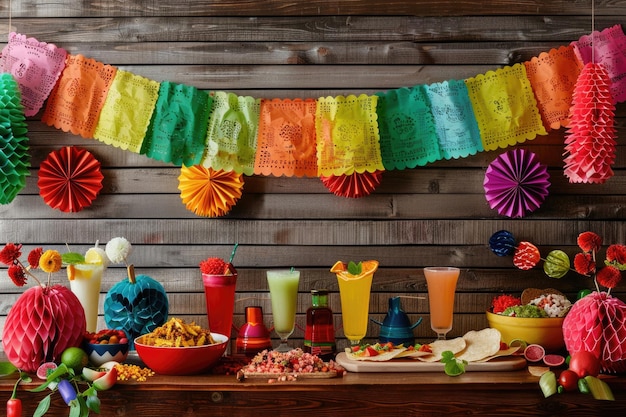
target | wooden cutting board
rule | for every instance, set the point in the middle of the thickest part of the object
(504, 363)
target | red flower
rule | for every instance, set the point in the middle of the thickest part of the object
(10, 253)
(502, 302)
(616, 253)
(33, 257)
(609, 276)
(584, 264)
(589, 242)
(17, 275)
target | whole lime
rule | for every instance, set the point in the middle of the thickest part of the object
(74, 358)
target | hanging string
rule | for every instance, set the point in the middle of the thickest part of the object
(9, 29)
(593, 30)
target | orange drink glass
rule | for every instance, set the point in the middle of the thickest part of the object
(441, 283)
(354, 291)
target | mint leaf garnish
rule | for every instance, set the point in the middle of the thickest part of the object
(354, 268)
(72, 258)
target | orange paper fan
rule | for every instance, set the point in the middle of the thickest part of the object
(353, 186)
(70, 179)
(208, 192)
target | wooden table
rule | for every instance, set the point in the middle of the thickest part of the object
(360, 394)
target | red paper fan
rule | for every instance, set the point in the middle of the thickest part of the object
(353, 186)
(70, 179)
(516, 183)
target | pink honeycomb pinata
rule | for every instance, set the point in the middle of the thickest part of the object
(597, 323)
(42, 323)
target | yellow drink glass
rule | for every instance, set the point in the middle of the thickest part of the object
(85, 280)
(354, 291)
(441, 282)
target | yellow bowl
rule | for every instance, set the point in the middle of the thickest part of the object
(547, 332)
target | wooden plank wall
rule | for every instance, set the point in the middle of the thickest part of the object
(434, 215)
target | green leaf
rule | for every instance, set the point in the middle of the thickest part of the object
(41, 387)
(354, 268)
(25, 377)
(43, 406)
(452, 365)
(52, 377)
(7, 368)
(93, 403)
(75, 408)
(72, 258)
(60, 371)
(90, 391)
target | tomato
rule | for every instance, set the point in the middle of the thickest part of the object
(568, 379)
(425, 348)
(370, 351)
(584, 363)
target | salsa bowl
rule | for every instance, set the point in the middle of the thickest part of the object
(544, 331)
(189, 360)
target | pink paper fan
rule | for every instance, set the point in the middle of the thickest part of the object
(516, 183)
(353, 186)
(70, 179)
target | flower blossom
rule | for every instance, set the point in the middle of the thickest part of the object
(33, 258)
(589, 241)
(609, 276)
(584, 264)
(17, 275)
(616, 254)
(50, 261)
(10, 253)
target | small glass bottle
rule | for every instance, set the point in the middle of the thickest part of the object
(319, 335)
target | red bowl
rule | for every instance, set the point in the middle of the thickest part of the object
(181, 360)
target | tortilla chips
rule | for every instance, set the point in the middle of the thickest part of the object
(177, 333)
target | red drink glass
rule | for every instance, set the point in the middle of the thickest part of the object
(219, 291)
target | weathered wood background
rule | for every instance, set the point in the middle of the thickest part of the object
(435, 215)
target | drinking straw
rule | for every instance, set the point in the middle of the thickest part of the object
(232, 254)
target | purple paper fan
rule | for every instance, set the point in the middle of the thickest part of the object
(516, 183)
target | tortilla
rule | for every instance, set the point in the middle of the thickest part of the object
(413, 354)
(455, 346)
(501, 352)
(381, 357)
(480, 344)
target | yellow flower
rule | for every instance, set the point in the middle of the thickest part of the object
(50, 261)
